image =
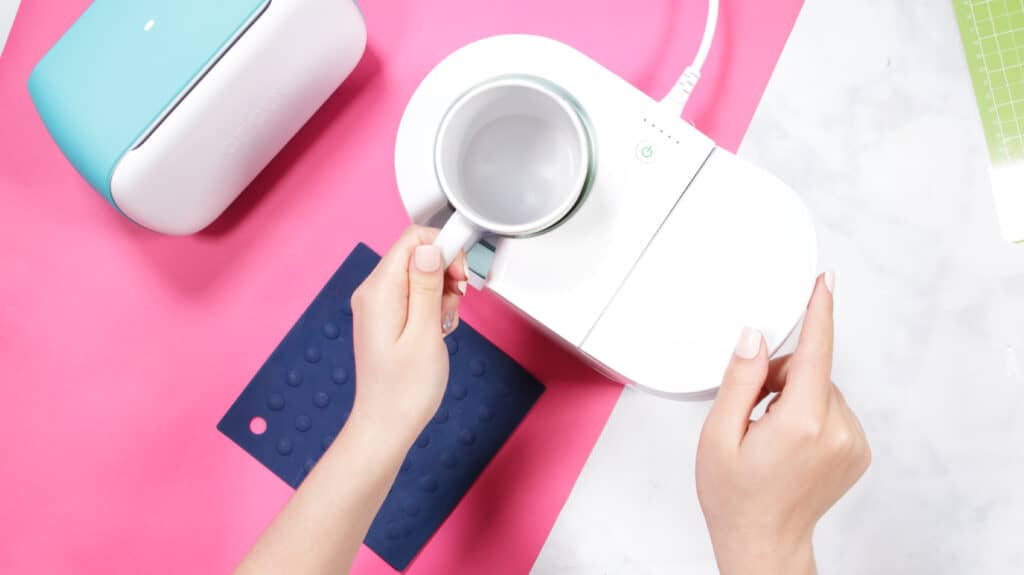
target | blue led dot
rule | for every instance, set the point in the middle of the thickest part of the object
(459, 391)
(484, 413)
(312, 354)
(477, 367)
(284, 446)
(467, 437)
(275, 401)
(428, 484)
(321, 399)
(331, 330)
(339, 375)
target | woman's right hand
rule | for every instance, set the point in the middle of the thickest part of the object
(764, 484)
(400, 316)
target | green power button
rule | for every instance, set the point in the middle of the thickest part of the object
(645, 152)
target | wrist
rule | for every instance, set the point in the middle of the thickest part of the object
(386, 432)
(370, 440)
(397, 422)
(766, 556)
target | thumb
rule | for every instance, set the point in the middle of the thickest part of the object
(426, 287)
(740, 390)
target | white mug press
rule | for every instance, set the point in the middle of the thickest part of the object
(512, 156)
(651, 267)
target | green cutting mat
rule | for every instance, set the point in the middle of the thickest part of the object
(993, 36)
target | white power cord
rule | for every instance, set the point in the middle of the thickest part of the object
(680, 92)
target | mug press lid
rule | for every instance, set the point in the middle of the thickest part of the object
(122, 66)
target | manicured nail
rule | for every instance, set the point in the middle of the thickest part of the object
(749, 344)
(830, 281)
(461, 287)
(427, 258)
(448, 322)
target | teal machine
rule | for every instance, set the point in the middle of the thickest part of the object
(169, 108)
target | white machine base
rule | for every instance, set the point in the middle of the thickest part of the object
(675, 248)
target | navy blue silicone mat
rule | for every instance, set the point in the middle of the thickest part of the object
(304, 392)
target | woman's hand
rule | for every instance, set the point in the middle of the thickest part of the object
(764, 484)
(401, 314)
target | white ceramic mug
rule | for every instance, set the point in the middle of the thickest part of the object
(512, 156)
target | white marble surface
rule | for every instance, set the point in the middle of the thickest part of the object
(870, 116)
(8, 8)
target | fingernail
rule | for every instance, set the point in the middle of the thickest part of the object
(462, 287)
(448, 322)
(427, 258)
(830, 281)
(749, 344)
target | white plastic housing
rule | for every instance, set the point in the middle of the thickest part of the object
(677, 246)
(239, 115)
(737, 250)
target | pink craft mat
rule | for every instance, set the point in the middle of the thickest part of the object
(120, 349)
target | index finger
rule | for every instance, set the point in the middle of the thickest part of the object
(809, 373)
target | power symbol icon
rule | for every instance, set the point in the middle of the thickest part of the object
(645, 152)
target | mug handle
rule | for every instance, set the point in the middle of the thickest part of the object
(458, 234)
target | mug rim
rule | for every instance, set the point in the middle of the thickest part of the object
(561, 98)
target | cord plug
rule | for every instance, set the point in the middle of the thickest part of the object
(679, 95)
